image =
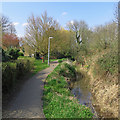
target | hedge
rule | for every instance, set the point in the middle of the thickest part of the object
(12, 72)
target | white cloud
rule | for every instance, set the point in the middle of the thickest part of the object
(24, 24)
(64, 13)
(15, 23)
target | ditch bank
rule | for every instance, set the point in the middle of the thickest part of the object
(81, 91)
(103, 90)
(80, 88)
(59, 101)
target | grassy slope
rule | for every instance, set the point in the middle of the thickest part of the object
(58, 100)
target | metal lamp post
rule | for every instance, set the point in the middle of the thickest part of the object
(49, 49)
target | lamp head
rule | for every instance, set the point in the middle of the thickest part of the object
(50, 37)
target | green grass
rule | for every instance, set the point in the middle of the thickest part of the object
(38, 66)
(51, 60)
(57, 102)
(59, 60)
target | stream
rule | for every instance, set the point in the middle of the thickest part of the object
(81, 91)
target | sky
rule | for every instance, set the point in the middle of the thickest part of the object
(93, 13)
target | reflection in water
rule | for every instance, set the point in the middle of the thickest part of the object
(81, 89)
(82, 92)
(82, 96)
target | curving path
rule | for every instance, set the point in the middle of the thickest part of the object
(28, 102)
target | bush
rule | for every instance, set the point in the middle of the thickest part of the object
(109, 62)
(12, 72)
(8, 76)
(62, 72)
(5, 56)
(20, 69)
(10, 54)
(23, 66)
(14, 53)
(67, 70)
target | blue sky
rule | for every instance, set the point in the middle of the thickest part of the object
(94, 13)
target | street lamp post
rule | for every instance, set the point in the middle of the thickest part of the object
(49, 49)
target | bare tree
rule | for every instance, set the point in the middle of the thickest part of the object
(80, 29)
(105, 36)
(74, 26)
(7, 26)
(38, 30)
(12, 29)
(5, 23)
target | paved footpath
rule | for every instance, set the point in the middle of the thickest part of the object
(28, 102)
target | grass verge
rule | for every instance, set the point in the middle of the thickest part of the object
(38, 65)
(58, 100)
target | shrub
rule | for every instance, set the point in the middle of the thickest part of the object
(67, 70)
(11, 54)
(12, 72)
(20, 69)
(23, 66)
(8, 76)
(109, 62)
(62, 72)
(14, 53)
(5, 56)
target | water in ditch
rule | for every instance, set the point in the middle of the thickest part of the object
(81, 91)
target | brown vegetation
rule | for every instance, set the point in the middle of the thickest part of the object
(104, 88)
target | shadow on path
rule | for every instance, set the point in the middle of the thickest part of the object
(28, 102)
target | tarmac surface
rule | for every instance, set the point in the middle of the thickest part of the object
(28, 102)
